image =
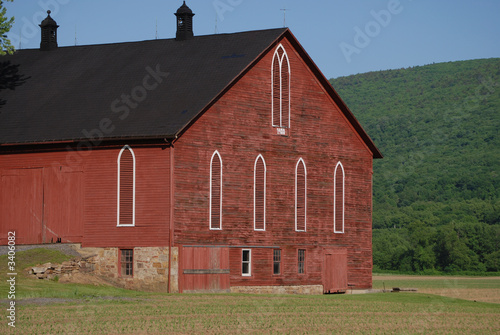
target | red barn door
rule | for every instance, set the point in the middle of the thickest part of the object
(205, 269)
(41, 205)
(335, 270)
(21, 205)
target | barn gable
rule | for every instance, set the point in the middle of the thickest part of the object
(277, 50)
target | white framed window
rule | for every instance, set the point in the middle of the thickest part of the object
(301, 261)
(126, 188)
(126, 262)
(259, 194)
(300, 196)
(280, 87)
(339, 199)
(216, 191)
(246, 262)
(276, 261)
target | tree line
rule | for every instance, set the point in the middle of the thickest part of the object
(436, 193)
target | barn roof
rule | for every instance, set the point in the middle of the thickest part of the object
(128, 91)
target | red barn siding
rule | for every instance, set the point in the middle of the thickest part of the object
(239, 127)
(73, 195)
(152, 200)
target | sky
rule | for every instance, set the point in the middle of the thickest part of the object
(343, 37)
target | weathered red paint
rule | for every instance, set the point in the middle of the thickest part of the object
(76, 191)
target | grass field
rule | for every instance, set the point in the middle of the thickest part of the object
(485, 289)
(45, 307)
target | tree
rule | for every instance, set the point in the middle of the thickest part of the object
(452, 252)
(5, 25)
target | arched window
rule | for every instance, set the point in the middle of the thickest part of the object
(339, 199)
(216, 192)
(126, 187)
(300, 196)
(281, 88)
(259, 194)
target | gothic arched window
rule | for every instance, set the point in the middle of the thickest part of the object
(259, 194)
(339, 199)
(300, 196)
(216, 192)
(281, 88)
(126, 187)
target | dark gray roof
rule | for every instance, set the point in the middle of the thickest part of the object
(61, 94)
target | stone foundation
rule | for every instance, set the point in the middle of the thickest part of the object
(150, 269)
(304, 289)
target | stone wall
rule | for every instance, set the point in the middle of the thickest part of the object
(303, 289)
(150, 272)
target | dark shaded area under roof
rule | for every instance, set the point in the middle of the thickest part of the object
(70, 91)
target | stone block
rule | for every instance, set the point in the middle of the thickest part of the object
(38, 269)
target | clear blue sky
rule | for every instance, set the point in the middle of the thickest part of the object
(342, 36)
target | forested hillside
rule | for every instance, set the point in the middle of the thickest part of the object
(436, 192)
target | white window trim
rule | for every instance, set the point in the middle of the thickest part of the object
(305, 195)
(133, 189)
(280, 60)
(280, 262)
(339, 164)
(303, 262)
(249, 274)
(210, 204)
(254, 191)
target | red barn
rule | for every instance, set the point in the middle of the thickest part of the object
(202, 163)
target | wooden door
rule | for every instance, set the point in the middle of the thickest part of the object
(41, 205)
(63, 206)
(21, 205)
(205, 269)
(335, 271)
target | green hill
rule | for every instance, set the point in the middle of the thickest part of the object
(436, 192)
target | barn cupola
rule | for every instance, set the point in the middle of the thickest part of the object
(49, 33)
(184, 23)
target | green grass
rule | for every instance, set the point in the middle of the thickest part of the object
(34, 257)
(403, 313)
(90, 310)
(437, 282)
